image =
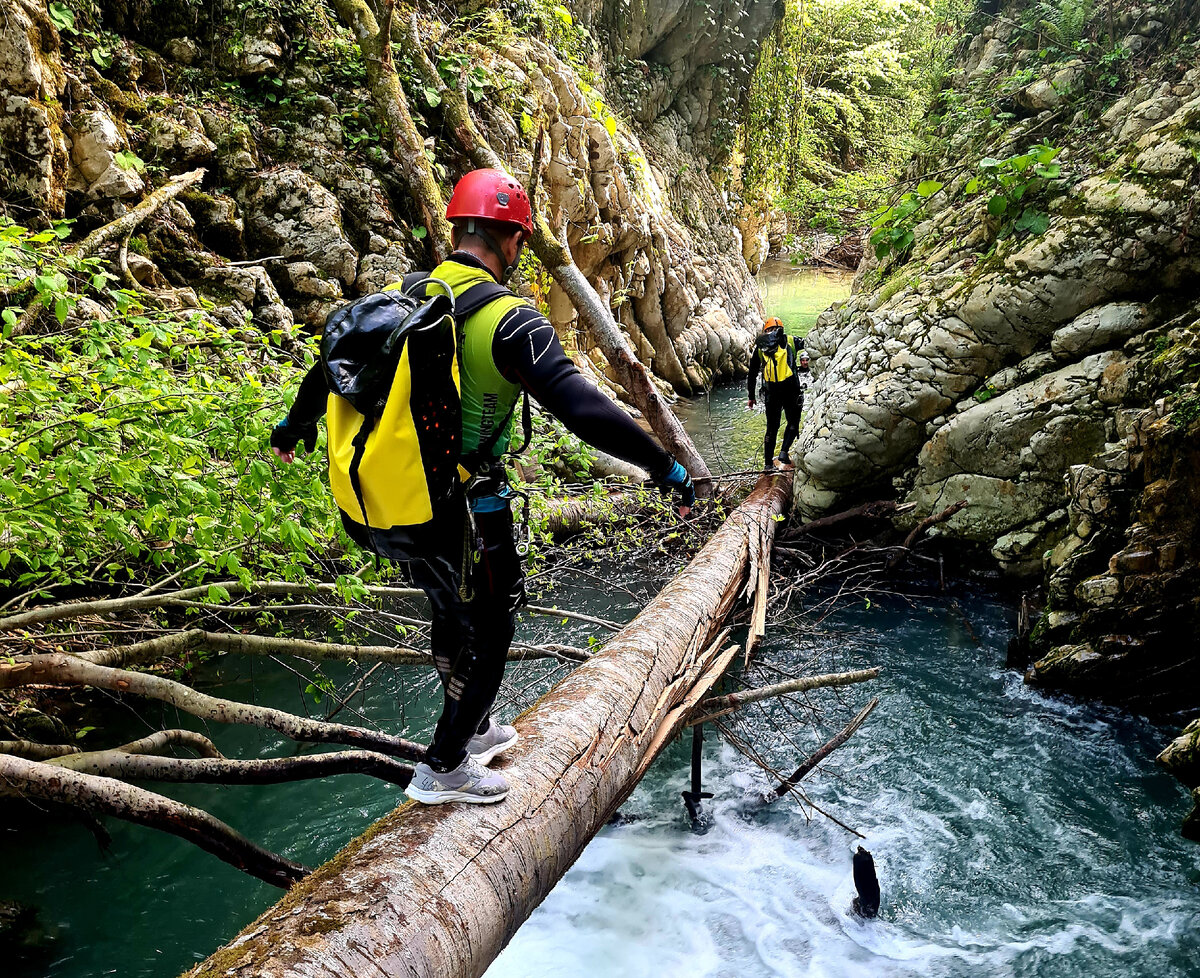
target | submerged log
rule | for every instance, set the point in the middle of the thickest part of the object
(439, 891)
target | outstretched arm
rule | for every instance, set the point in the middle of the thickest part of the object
(300, 425)
(526, 350)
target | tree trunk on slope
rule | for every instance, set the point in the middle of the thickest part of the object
(408, 148)
(595, 315)
(440, 891)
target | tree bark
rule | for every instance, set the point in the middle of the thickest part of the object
(439, 891)
(143, 653)
(160, 740)
(719, 706)
(919, 530)
(72, 670)
(141, 602)
(116, 763)
(104, 796)
(408, 148)
(631, 373)
(36, 752)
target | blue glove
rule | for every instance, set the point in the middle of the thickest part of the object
(677, 480)
(285, 436)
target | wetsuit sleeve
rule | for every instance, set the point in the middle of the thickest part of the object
(311, 398)
(755, 367)
(527, 351)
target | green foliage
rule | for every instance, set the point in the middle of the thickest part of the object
(1186, 408)
(61, 16)
(838, 88)
(1062, 22)
(1016, 188)
(1013, 182)
(892, 228)
(135, 443)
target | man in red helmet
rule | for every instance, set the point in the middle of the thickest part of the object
(507, 347)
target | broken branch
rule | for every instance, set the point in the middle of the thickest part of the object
(105, 796)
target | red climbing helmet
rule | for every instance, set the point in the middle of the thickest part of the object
(492, 195)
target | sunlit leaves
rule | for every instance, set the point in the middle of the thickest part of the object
(135, 445)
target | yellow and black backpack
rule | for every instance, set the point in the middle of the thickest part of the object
(394, 418)
(778, 356)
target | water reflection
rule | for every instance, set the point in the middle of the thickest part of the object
(798, 295)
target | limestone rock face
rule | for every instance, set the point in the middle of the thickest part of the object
(682, 292)
(289, 213)
(180, 140)
(33, 148)
(682, 63)
(632, 153)
(984, 366)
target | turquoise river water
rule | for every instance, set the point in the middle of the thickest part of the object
(1015, 834)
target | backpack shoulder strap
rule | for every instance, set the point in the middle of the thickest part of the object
(412, 279)
(475, 298)
(467, 304)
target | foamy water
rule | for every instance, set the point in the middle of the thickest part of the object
(1014, 834)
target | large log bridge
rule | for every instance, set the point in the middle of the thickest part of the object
(439, 891)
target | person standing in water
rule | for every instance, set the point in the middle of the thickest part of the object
(775, 357)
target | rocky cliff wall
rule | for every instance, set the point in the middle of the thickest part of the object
(988, 360)
(271, 98)
(1038, 357)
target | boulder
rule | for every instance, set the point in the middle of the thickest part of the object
(1099, 328)
(247, 289)
(289, 213)
(176, 142)
(96, 170)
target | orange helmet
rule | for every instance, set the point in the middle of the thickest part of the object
(772, 323)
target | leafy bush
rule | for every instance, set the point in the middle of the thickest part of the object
(134, 443)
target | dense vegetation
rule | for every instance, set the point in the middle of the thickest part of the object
(836, 100)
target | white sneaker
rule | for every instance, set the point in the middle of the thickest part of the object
(495, 740)
(470, 782)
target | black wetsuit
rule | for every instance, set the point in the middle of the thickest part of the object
(470, 639)
(775, 356)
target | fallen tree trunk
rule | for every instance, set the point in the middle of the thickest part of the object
(567, 517)
(440, 891)
(36, 752)
(152, 650)
(112, 232)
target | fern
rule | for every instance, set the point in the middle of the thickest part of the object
(1063, 22)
